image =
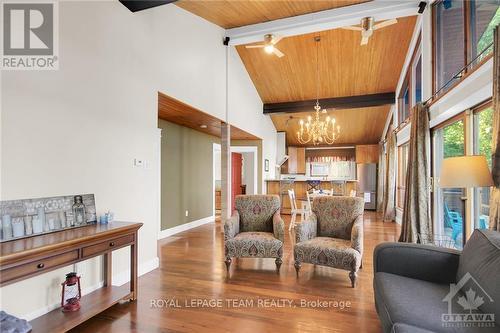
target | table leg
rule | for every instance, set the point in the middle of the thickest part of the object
(108, 265)
(133, 270)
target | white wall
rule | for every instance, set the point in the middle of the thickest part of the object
(249, 173)
(78, 129)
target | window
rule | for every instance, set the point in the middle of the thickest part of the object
(404, 102)
(449, 141)
(462, 31)
(484, 15)
(411, 89)
(450, 40)
(402, 170)
(482, 136)
(417, 74)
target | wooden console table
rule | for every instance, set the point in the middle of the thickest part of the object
(28, 257)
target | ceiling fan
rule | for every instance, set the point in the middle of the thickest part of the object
(268, 45)
(368, 26)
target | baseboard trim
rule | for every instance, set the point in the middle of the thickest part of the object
(46, 309)
(186, 226)
(124, 277)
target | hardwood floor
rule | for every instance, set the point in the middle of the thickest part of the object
(192, 267)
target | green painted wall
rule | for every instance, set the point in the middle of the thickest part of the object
(186, 174)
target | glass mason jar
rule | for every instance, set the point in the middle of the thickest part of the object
(78, 211)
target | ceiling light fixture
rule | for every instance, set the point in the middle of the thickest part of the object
(203, 126)
(269, 49)
(318, 131)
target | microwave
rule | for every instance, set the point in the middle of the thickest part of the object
(320, 169)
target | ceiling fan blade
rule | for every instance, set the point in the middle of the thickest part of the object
(278, 53)
(384, 24)
(276, 39)
(353, 28)
(259, 46)
(364, 40)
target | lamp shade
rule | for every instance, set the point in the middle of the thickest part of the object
(465, 172)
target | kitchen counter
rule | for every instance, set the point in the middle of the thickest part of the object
(300, 186)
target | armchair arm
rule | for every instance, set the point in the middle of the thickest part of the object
(278, 226)
(357, 234)
(306, 229)
(232, 226)
(423, 262)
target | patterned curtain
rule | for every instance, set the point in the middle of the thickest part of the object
(416, 211)
(390, 178)
(495, 191)
(380, 178)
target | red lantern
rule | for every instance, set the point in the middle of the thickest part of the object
(71, 293)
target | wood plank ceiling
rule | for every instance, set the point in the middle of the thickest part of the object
(358, 126)
(231, 14)
(177, 112)
(346, 68)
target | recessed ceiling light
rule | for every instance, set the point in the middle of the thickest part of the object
(203, 126)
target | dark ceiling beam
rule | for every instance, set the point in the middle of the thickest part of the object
(137, 5)
(350, 102)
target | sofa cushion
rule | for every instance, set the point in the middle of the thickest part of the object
(481, 258)
(414, 302)
(254, 244)
(256, 211)
(328, 251)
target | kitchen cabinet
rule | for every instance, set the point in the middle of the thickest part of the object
(296, 161)
(367, 153)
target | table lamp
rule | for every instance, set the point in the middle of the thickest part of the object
(465, 172)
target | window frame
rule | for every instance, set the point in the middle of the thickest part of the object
(468, 58)
(409, 83)
(403, 151)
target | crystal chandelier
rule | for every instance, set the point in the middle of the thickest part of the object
(317, 131)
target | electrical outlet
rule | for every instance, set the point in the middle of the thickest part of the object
(187, 213)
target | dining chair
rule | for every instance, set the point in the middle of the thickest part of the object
(303, 211)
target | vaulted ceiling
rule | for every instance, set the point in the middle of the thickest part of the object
(346, 67)
(358, 126)
(230, 13)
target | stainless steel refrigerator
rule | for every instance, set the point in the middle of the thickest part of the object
(367, 184)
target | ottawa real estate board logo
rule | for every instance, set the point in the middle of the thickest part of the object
(29, 35)
(469, 305)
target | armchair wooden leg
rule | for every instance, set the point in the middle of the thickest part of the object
(297, 267)
(353, 275)
(228, 263)
(361, 265)
(278, 262)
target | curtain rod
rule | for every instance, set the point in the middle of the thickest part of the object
(430, 100)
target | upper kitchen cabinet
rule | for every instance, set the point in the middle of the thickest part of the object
(297, 160)
(367, 153)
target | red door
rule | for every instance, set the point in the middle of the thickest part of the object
(236, 163)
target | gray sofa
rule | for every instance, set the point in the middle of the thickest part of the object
(422, 288)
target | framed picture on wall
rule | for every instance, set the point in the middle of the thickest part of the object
(266, 165)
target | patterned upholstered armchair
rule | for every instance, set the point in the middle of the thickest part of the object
(332, 235)
(255, 230)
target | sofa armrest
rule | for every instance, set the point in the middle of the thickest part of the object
(357, 234)
(422, 262)
(278, 226)
(232, 226)
(306, 229)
